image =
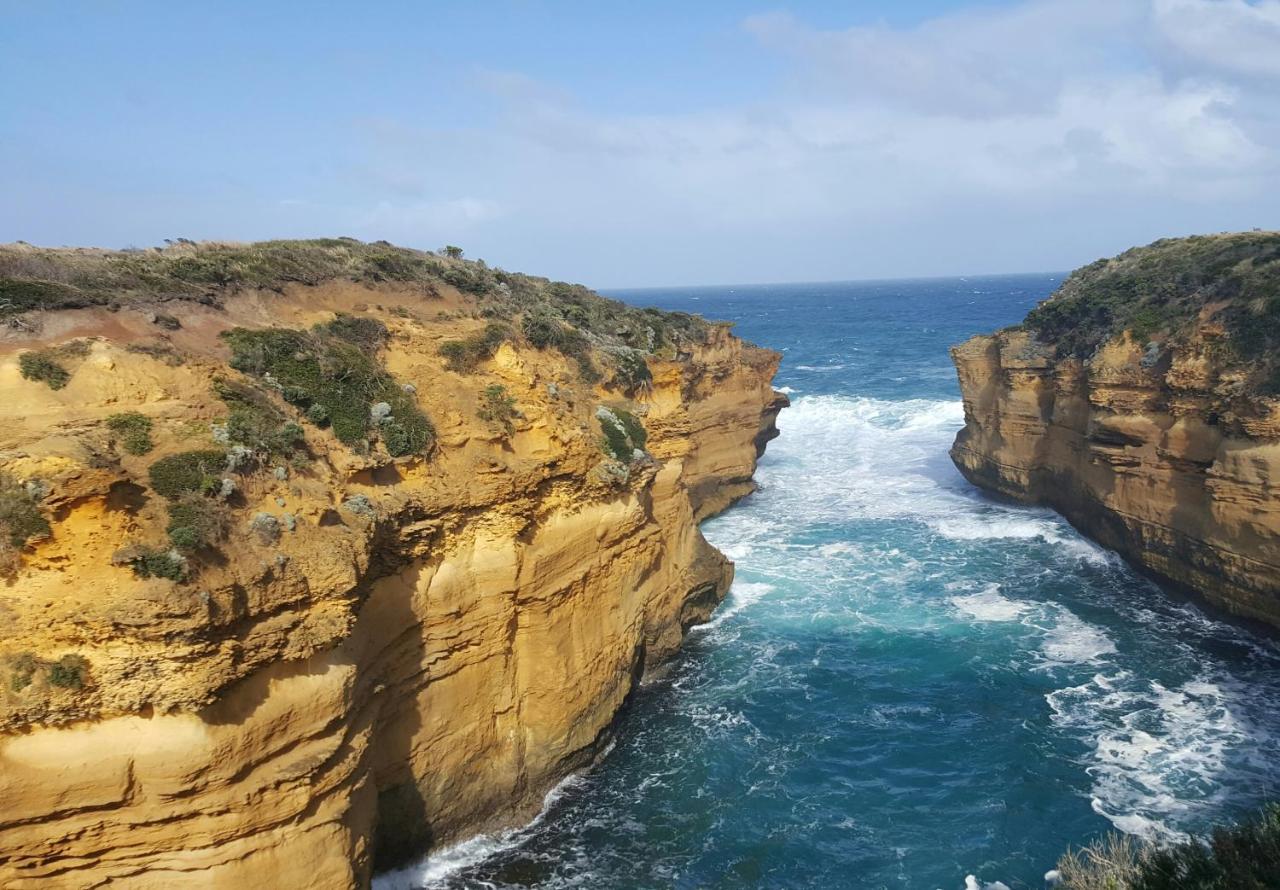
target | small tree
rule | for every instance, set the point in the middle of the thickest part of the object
(453, 251)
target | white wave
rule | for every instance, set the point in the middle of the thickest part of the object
(443, 864)
(819, 367)
(989, 605)
(741, 595)
(1072, 641)
(1021, 525)
(1158, 753)
(972, 883)
(787, 391)
(977, 527)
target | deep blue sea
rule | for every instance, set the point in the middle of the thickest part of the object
(910, 685)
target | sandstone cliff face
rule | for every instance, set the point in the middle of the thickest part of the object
(435, 642)
(1155, 450)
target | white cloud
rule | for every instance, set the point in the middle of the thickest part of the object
(1227, 35)
(1076, 111)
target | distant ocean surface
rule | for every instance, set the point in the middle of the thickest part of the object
(909, 684)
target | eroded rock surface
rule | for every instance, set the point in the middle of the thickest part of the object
(1163, 450)
(419, 650)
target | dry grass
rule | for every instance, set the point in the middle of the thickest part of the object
(1114, 862)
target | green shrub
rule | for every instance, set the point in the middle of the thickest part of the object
(20, 516)
(42, 367)
(151, 563)
(334, 375)
(632, 372)
(1245, 856)
(197, 471)
(1162, 289)
(134, 430)
(623, 433)
(69, 672)
(498, 408)
(543, 331)
(464, 356)
(368, 334)
(256, 423)
(195, 522)
(22, 671)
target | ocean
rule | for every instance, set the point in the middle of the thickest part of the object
(910, 685)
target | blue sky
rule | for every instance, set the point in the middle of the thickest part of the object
(647, 144)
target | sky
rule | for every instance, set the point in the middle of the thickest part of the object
(647, 144)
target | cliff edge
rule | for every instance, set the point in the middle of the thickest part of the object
(317, 554)
(1142, 402)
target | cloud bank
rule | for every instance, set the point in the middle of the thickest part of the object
(1035, 135)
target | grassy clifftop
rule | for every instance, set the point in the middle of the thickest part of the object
(1165, 291)
(34, 278)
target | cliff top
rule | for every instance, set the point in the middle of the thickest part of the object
(38, 278)
(1228, 283)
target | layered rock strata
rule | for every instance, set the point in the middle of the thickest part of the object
(1158, 450)
(429, 645)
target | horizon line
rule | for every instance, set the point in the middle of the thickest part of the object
(875, 280)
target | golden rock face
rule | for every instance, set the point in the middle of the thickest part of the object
(1165, 459)
(431, 646)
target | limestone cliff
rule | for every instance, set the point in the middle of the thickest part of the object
(1140, 401)
(253, 638)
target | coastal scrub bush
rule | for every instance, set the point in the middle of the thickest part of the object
(51, 278)
(20, 516)
(255, 423)
(151, 563)
(22, 671)
(544, 332)
(134, 430)
(333, 375)
(624, 435)
(497, 407)
(1162, 289)
(42, 366)
(1244, 856)
(68, 672)
(195, 522)
(188, 471)
(463, 356)
(632, 372)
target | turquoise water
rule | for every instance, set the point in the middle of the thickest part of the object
(910, 685)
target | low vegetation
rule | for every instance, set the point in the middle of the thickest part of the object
(255, 423)
(333, 375)
(623, 433)
(551, 314)
(195, 522)
(42, 365)
(68, 672)
(545, 331)
(1245, 856)
(134, 430)
(464, 356)
(198, 471)
(498, 408)
(20, 517)
(148, 562)
(1159, 292)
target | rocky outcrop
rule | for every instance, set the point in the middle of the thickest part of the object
(1160, 449)
(416, 651)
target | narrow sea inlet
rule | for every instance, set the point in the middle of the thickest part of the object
(910, 685)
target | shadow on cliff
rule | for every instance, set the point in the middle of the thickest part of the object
(402, 829)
